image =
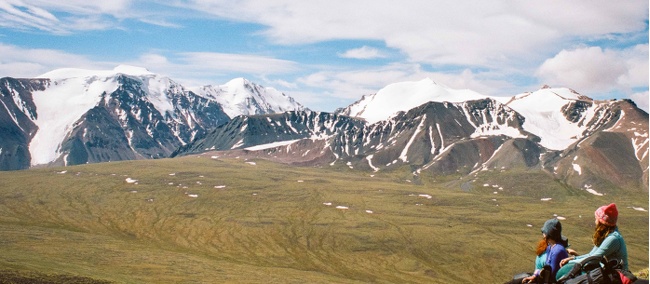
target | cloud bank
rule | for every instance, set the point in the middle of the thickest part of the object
(501, 47)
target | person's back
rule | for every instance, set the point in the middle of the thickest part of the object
(612, 247)
(550, 251)
(608, 242)
(556, 253)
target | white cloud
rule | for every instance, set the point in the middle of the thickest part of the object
(593, 69)
(364, 52)
(64, 17)
(281, 83)
(78, 6)
(26, 62)
(153, 60)
(636, 61)
(192, 68)
(585, 18)
(486, 43)
(229, 62)
(160, 22)
(16, 14)
(345, 87)
(204, 68)
(584, 69)
(484, 33)
(641, 100)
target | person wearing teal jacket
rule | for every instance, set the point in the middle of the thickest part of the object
(608, 242)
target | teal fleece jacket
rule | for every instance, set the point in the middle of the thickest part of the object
(613, 247)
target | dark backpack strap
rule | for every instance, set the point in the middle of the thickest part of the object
(589, 279)
(575, 271)
(591, 262)
(545, 275)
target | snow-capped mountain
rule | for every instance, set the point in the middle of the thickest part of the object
(73, 116)
(586, 143)
(242, 97)
(422, 136)
(560, 116)
(404, 96)
(83, 116)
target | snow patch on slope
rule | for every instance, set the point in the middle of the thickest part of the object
(271, 145)
(74, 91)
(544, 118)
(404, 155)
(59, 107)
(158, 93)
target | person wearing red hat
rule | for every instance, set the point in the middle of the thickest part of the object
(608, 242)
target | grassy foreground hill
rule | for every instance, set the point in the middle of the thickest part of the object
(198, 219)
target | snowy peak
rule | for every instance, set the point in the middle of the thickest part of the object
(238, 83)
(132, 70)
(240, 96)
(558, 116)
(404, 96)
(550, 97)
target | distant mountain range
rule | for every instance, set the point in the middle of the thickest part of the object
(433, 129)
(73, 116)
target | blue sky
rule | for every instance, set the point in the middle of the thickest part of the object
(327, 54)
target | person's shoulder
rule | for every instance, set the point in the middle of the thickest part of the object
(558, 248)
(615, 236)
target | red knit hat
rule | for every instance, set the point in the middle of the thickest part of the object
(607, 214)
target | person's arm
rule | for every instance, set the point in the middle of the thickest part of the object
(539, 263)
(529, 279)
(570, 258)
(609, 245)
(572, 252)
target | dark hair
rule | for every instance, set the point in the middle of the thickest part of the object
(601, 232)
(564, 242)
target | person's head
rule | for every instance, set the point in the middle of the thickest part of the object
(606, 217)
(552, 230)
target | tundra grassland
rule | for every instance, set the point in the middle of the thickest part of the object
(198, 219)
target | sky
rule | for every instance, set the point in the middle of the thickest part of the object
(327, 54)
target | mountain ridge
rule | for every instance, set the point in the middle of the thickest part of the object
(130, 113)
(240, 96)
(451, 138)
(70, 116)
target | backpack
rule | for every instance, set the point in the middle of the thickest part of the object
(543, 278)
(597, 270)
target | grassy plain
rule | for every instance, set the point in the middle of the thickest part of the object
(201, 220)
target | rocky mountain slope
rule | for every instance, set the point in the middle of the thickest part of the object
(242, 97)
(76, 116)
(588, 144)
